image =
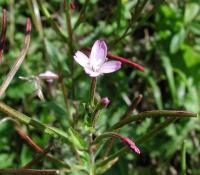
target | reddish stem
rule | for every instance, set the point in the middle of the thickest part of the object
(3, 34)
(121, 59)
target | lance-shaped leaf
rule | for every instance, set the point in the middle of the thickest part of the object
(76, 139)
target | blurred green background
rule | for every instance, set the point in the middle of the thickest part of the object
(166, 43)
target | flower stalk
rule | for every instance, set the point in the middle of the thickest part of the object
(92, 91)
(183, 158)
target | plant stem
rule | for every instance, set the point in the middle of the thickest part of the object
(153, 113)
(22, 171)
(70, 39)
(183, 158)
(132, 107)
(135, 15)
(55, 26)
(38, 158)
(91, 163)
(65, 96)
(38, 149)
(92, 91)
(81, 15)
(3, 34)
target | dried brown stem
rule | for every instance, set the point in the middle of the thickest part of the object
(38, 158)
(132, 107)
(38, 149)
(19, 60)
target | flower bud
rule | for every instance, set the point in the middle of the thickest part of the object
(128, 142)
(72, 5)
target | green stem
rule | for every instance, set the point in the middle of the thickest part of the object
(92, 91)
(135, 15)
(70, 39)
(55, 26)
(91, 152)
(65, 96)
(81, 15)
(183, 159)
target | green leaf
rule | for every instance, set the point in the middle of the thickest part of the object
(6, 160)
(191, 11)
(76, 139)
(170, 76)
(190, 56)
(55, 132)
(108, 165)
(156, 92)
(177, 40)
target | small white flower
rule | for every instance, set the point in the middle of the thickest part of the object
(97, 64)
(48, 76)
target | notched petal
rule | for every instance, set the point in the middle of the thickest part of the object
(110, 66)
(98, 53)
(81, 58)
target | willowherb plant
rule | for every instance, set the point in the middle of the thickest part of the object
(89, 141)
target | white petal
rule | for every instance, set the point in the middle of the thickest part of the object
(91, 73)
(48, 74)
(81, 58)
(98, 54)
(110, 66)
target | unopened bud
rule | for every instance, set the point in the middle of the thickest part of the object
(72, 5)
(105, 101)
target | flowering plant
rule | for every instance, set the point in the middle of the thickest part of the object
(79, 130)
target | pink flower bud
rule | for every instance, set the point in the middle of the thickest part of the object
(105, 101)
(128, 142)
(72, 5)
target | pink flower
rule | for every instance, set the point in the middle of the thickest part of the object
(122, 60)
(97, 63)
(128, 142)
